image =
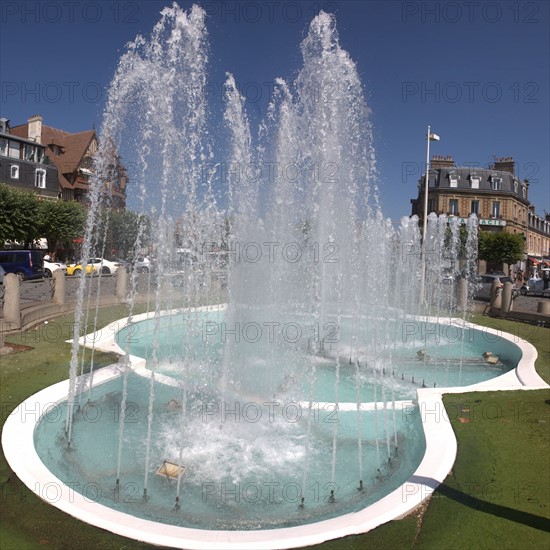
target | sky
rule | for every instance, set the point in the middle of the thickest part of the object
(477, 72)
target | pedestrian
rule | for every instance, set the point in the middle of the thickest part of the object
(519, 277)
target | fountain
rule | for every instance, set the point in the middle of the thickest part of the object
(267, 398)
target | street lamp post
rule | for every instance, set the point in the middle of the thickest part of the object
(429, 137)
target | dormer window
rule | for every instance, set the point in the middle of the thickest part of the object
(453, 179)
(55, 149)
(30, 152)
(474, 181)
(515, 186)
(14, 150)
(496, 183)
(524, 191)
(40, 178)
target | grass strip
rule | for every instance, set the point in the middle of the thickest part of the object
(497, 495)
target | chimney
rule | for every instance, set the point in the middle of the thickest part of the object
(4, 126)
(35, 128)
(439, 161)
(504, 164)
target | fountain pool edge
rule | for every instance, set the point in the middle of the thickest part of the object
(441, 447)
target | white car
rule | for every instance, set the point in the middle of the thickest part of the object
(539, 284)
(94, 266)
(104, 267)
(485, 284)
(50, 267)
(144, 265)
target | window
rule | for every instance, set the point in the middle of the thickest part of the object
(496, 183)
(524, 191)
(515, 186)
(14, 149)
(30, 153)
(14, 171)
(453, 207)
(474, 181)
(496, 210)
(4, 147)
(40, 179)
(453, 179)
(474, 209)
(431, 205)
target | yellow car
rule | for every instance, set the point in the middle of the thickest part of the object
(76, 269)
(94, 266)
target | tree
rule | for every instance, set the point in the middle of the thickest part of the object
(498, 248)
(18, 216)
(61, 221)
(124, 228)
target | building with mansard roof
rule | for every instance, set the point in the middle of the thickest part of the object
(495, 194)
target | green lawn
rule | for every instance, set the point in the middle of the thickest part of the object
(497, 496)
(538, 336)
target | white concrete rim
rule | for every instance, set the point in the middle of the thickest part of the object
(441, 447)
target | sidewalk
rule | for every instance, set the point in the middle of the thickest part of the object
(525, 309)
(38, 301)
(34, 313)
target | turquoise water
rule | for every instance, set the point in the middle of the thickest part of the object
(244, 474)
(452, 357)
(244, 449)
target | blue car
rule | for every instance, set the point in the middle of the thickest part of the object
(26, 264)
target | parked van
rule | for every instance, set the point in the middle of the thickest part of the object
(26, 264)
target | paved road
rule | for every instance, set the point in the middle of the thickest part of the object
(41, 290)
(37, 291)
(522, 303)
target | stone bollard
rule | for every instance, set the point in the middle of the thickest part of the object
(121, 284)
(496, 295)
(12, 299)
(544, 307)
(462, 294)
(58, 287)
(507, 302)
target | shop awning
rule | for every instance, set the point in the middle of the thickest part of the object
(534, 261)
